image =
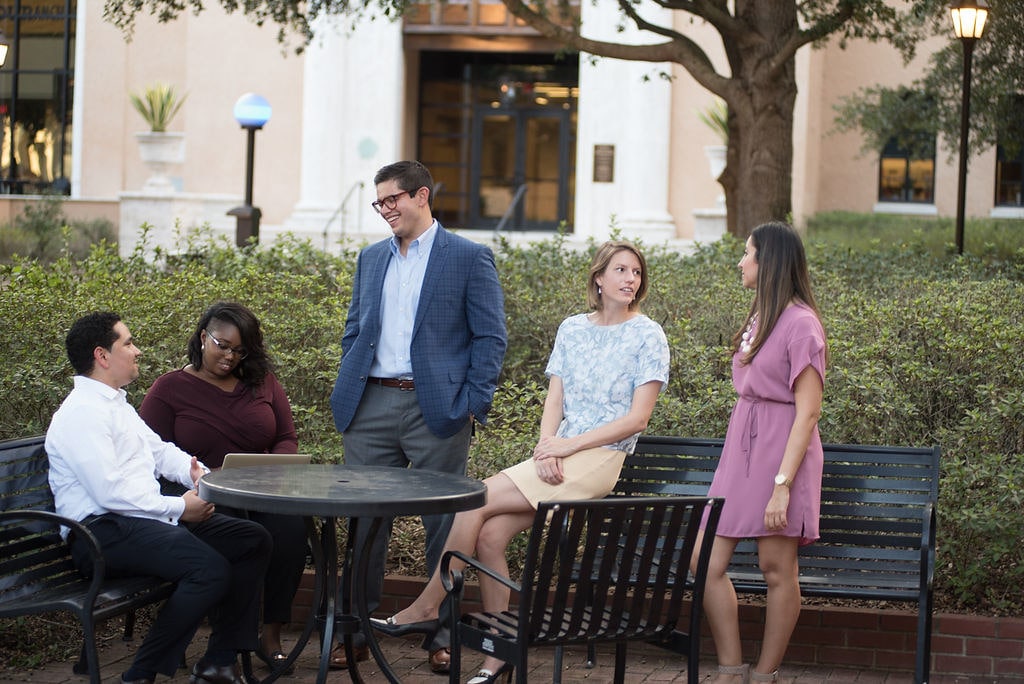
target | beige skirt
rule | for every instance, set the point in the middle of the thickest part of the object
(589, 474)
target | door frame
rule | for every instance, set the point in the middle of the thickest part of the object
(521, 115)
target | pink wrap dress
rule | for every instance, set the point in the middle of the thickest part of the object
(759, 428)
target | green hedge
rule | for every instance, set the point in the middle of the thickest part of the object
(925, 350)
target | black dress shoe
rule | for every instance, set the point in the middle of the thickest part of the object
(135, 681)
(205, 673)
(392, 628)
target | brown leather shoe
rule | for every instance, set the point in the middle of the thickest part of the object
(339, 661)
(440, 660)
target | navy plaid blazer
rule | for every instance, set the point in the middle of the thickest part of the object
(458, 337)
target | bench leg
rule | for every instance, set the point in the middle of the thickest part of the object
(922, 667)
(129, 625)
(620, 662)
(88, 659)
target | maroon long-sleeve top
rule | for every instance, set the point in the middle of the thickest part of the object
(209, 422)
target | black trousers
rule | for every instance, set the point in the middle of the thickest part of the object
(218, 565)
(287, 562)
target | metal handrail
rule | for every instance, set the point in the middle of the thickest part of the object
(516, 198)
(341, 208)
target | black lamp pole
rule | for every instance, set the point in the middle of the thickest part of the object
(247, 217)
(249, 156)
(969, 20)
(251, 112)
(965, 127)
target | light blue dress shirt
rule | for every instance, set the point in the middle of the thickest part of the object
(399, 301)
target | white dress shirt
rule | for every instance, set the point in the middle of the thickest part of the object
(105, 459)
(399, 301)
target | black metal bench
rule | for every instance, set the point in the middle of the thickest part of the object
(37, 574)
(877, 521)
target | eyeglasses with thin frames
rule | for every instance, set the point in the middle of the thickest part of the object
(391, 201)
(240, 352)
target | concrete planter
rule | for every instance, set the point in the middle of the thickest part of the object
(159, 151)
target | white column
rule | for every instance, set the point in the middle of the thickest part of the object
(618, 107)
(78, 100)
(352, 108)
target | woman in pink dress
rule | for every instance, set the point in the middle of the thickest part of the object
(770, 470)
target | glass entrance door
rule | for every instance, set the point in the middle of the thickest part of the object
(523, 162)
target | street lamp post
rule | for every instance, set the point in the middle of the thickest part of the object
(969, 19)
(252, 111)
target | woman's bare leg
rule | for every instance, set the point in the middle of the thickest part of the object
(492, 549)
(503, 498)
(777, 557)
(721, 609)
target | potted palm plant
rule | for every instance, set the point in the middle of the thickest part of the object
(716, 117)
(159, 148)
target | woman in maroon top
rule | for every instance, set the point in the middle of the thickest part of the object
(226, 400)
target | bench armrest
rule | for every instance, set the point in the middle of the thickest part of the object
(927, 547)
(448, 576)
(99, 565)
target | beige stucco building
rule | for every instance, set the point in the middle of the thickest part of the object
(519, 137)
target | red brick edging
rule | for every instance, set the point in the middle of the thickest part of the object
(875, 639)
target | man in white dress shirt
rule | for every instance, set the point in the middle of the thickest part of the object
(104, 465)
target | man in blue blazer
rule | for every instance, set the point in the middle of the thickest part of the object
(422, 350)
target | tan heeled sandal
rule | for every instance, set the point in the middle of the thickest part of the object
(742, 670)
(763, 677)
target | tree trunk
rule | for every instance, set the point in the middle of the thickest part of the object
(761, 97)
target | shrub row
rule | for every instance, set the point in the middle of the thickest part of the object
(925, 350)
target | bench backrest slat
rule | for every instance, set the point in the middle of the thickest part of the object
(33, 556)
(874, 500)
(567, 597)
(24, 475)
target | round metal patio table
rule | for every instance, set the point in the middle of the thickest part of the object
(328, 492)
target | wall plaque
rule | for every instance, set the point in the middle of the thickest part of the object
(604, 163)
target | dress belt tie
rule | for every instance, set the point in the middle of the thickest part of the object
(750, 433)
(404, 385)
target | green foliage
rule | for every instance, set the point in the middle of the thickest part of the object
(910, 116)
(42, 230)
(157, 105)
(716, 117)
(997, 79)
(894, 245)
(924, 350)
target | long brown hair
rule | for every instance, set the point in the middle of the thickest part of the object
(782, 277)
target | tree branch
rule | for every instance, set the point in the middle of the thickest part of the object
(823, 28)
(678, 49)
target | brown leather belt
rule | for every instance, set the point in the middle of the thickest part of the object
(404, 385)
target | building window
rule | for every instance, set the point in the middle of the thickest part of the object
(1010, 154)
(36, 85)
(1009, 185)
(907, 175)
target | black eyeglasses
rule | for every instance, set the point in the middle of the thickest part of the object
(391, 201)
(240, 352)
